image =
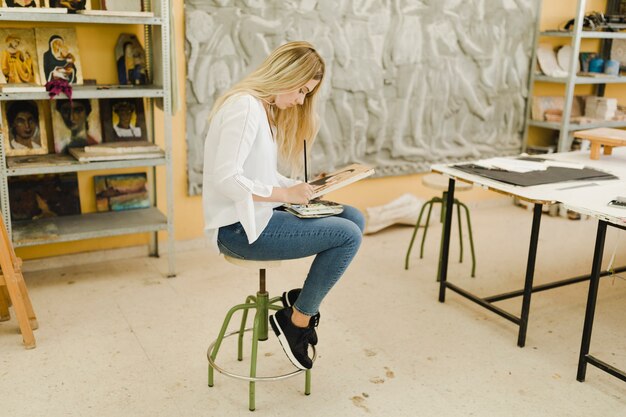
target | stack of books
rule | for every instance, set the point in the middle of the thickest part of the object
(118, 151)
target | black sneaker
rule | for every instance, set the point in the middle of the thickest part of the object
(293, 339)
(289, 299)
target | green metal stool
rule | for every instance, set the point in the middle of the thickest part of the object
(261, 303)
(439, 182)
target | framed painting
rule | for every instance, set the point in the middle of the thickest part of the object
(75, 124)
(123, 119)
(57, 52)
(24, 128)
(121, 192)
(18, 56)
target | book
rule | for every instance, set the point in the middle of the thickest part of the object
(315, 209)
(82, 156)
(121, 5)
(135, 146)
(120, 13)
(341, 178)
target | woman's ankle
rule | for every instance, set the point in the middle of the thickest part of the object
(299, 319)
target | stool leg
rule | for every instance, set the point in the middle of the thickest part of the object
(244, 317)
(307, 382)
(417, 225)
(430, 209)
(471, 238)
(458, 215)
(220, 337)
(253, 357)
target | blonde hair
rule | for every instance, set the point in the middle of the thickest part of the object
(286, 69)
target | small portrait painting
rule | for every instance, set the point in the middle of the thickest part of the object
(131, 60)
(57, 50)
(20, 3)
(75, 124)
(18, 56)
(71, 5)
(123, 119)
(39, 196)
(121, 192)
(23, 128)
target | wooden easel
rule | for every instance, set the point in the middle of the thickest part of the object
(13, 290)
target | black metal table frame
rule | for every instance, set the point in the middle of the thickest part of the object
(525, 293)
(585, 357)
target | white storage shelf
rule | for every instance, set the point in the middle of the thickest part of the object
(581, 79)
(87, 226)
(92, 91)
(585, 34)
(11, 16)
(84, 166)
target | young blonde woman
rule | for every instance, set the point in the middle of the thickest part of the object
(264, 118)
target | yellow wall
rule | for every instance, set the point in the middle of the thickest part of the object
(96, 42)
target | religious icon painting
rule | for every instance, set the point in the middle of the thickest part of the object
(130, 59)
(123, 119)
(20, 3)
(72, 6)
(18, 56)
(57, 51)
(24, 128)
(75, 124)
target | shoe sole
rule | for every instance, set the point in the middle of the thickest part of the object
(285, 300)
(285, 344)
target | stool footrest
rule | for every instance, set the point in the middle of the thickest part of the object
(246, 377)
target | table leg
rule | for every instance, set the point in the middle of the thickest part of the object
(595, 150)
(594, 281)
(445, 243)
(530, 274)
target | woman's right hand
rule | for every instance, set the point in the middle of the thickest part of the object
(299, 193)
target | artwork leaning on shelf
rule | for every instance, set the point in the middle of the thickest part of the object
(121, 192)
(130, 59)
(20, 3)
(71, 5)
(24, 128)
(18, 56)
(39, 196)
(123, 119)
(57, 52)
(75, 124)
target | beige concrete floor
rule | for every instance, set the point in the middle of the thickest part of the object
(116, 338)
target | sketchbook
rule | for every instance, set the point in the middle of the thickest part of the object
(341, 178)
(315, 209)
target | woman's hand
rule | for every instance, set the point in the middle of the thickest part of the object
(299, 193)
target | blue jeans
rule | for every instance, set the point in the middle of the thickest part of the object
(334, 240)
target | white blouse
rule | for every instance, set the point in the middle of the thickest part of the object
(240, 159)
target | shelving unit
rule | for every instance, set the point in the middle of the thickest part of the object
(105, 224)
(565, 127)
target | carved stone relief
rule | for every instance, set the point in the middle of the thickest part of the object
(409, 83)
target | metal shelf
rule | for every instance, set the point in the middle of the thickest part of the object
(92, 91)
(581, 79)
(87, 226)
(577, 126)
(591, 34)
(76, 166)
(11, 16)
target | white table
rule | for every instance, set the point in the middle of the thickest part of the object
(570, 192)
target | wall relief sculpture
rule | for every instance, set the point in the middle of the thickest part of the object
(409, 83)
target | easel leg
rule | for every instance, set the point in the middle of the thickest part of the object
(4, 303)
(27, 303)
